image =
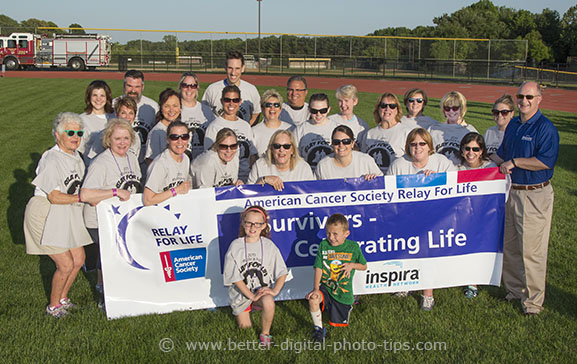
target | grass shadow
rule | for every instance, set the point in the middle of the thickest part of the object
(18, 195)
(567, 154)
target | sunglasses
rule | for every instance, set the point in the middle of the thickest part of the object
(228, 146)
(236, 100)
(420, 144)
(285, 146)
(296, 89)
(175, 137)
(322, 111)
(189, 85)
(272, 104)
(71, 133)
(383, 105)
(474, 149)
(346, 141)
(502, 112)
(528, 97)
(417, 100)
(449, 108)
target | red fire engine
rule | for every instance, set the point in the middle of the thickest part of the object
(74, 51)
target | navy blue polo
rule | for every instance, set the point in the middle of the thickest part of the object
(537, 137)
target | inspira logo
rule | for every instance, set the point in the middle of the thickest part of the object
(527, 138)
(391, 274)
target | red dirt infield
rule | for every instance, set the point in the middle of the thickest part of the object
(553, 98)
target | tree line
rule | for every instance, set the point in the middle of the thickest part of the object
(550, 38)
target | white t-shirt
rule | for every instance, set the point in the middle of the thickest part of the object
(245, 139)
(356, 124)
(97, 148)
(437, 163)
(197, 119)
(422, 121)
(493, 139)
(301, 172)
(248, 93)
(447, 139)
(108, 171)
(145, 116)
(257, 264)
(93, 125)
(314, 141)
(156, 143)
(262, 134)
(385, 145)
(485, 164)
(60, 171)
(208, 170)
(165, 173)
(361, 165)
(295, 116)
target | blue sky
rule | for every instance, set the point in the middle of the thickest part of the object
(344, 17)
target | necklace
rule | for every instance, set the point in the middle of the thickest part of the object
(118, 165)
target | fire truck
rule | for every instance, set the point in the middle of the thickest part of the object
(65, 50)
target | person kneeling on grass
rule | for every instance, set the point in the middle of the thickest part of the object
(251, 265)
(335, 265)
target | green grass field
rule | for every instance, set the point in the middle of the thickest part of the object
(486, 329)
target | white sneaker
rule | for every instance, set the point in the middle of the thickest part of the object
(401, 294)
(427, 303)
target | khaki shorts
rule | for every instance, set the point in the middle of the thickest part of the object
(34, 220)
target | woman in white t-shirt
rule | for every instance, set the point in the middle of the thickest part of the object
(474, 152)
(168, 174)
(503, 111)
(346, 162)
(420, 157)
(170, 108)
(281, 163)
(270, 102)
(53, 222)
(415, 101)
(447, 136)
(217, 166)
(98, 110)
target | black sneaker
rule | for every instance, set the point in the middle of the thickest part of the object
(319, 334)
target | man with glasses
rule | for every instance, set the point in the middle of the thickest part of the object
(234, 67)
(528, 153)
(194, 114)
(296, 111)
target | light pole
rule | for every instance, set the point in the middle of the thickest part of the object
(258, 61)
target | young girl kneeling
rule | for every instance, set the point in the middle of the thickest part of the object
(251, 266)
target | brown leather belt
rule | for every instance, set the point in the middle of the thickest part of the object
(530, 187)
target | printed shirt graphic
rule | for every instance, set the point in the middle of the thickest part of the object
(330, 260)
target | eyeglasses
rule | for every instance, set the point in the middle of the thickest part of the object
(322, 111)
(528, 97)
(228, 146)
(418, 100)
(249, 224)
(337, 142)
(502, 112)
(383, 105)
(420, 144)
(272, 104)
(189, 85)
(71, 133)
(474, 149)
(449, 108)
(285, 146)
(296, 89)
(236, 100)
(175, 137)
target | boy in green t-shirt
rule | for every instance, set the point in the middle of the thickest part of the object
(335, 265)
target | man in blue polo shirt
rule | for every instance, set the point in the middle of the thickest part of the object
(528, 153)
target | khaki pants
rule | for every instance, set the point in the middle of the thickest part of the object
(527, 227)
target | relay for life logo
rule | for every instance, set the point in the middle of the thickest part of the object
(183, 264)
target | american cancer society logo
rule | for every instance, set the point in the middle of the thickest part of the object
(183, 264)
(391, 274)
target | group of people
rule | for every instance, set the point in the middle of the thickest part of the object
(132, 144)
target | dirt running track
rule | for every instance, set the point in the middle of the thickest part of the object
(554, 99)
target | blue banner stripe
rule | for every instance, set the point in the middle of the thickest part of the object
(302, 187)
(420, 180)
